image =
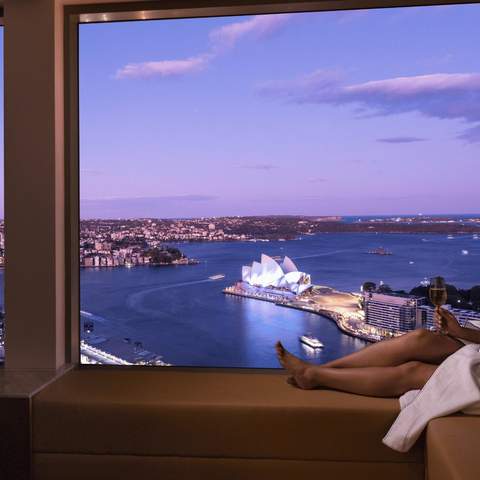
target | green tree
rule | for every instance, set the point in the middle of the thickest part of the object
(369, 287)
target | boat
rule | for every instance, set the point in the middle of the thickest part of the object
(475, 237)
(450, 237)
(411, 262)
(311, 341)
(465, 252)
(380, 251)
(217, 277)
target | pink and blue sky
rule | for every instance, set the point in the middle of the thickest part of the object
(349, 113)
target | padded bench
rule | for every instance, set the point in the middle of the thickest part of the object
(453, 448)
(144, 424)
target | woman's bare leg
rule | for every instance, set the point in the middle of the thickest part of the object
(375, 381)
(420, 345)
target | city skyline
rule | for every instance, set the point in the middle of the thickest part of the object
(306, 114)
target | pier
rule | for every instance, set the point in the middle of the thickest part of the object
(95, 355)
(341, 311)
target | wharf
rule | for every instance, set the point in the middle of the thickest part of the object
(341, 319)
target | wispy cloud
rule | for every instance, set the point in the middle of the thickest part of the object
(164, 68)
(441, 95)
(259, 26)
(471, 135)
(156, 207)
(401, 140)
(260, 166)
(169, 198)
(222, 39)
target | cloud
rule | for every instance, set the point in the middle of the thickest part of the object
(166, 206)
(471, 135)
(260, 25)
(164, 68)
(440, 95)
(260, 166)
(222, 39)
(149, 200)
(401, 140)
(317, 180)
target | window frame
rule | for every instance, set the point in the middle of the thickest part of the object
(76, 15)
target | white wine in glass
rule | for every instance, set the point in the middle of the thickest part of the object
(438, 293)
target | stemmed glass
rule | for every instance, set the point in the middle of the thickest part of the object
(438, 294)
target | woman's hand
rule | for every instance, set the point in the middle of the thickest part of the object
(446, 323)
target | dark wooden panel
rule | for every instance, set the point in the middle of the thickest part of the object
(15, 439)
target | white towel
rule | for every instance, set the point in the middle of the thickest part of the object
(454, 387)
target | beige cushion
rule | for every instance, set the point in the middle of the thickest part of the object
(58, 466)
(453, 451)
(209, 414)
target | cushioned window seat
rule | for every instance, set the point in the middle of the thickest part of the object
(146, 424)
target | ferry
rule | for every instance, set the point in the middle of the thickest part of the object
(311, 341)
(217, 277)
(380, 251)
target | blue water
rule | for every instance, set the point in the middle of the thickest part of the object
(181, 314)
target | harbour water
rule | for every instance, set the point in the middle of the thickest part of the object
(180, 313)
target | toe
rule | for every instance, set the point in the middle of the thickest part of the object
(291, 381)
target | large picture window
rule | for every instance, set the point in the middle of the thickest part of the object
(2, 214)
(294, 177)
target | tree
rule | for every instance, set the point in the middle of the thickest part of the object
(175, 253)
(453, 296)
(384, 288)
(369, 287)
(419, 291)
(158, 256)
(475, 297)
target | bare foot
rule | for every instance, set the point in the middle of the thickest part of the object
(300, 371)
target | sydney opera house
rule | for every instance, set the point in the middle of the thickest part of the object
(269, 274)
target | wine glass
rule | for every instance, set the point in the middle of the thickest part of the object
(438, 293)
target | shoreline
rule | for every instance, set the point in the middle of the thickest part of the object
(332, 315)
(190, 262)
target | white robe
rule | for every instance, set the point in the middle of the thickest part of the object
(453, 387)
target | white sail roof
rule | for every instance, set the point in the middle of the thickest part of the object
(288, 265)
(268, 273)
(256, 271)
(246, 273)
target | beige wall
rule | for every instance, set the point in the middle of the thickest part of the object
(34, 277)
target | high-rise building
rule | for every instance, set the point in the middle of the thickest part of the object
(426, 313)
(395, 312)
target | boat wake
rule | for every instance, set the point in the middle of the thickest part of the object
(135, 300)
(92, 316)
(325, 254)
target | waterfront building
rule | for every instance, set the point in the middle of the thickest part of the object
(466, 318)
(394, 312)
(269, 274)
